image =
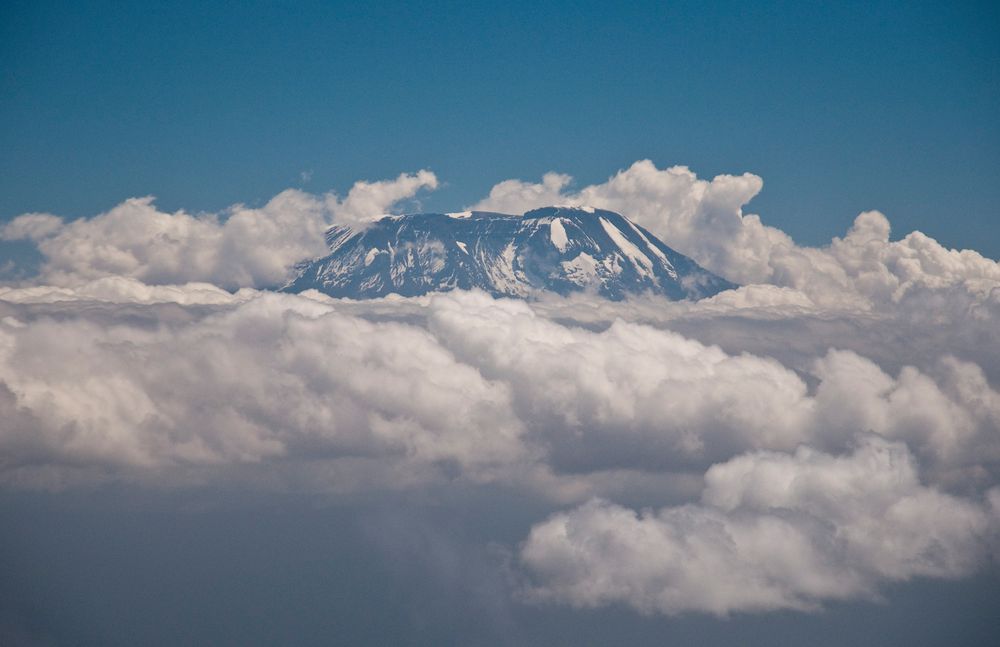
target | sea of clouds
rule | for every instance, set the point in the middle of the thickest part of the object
(830, 427)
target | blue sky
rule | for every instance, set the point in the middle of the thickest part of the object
(840, 108)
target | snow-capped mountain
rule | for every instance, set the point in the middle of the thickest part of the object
(558, 249)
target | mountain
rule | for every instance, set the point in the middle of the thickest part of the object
(557, 249)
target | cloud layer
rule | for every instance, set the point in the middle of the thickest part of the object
(774, 531)
(242, 247)
(462, 377)
(705, 220)
(832, 426)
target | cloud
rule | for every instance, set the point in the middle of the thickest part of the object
(511, 196)
(32, 226)
(116, 289)
(166, 378)
(699, 218)
(773, 531)
(368, 199)
(274, 378)
(629, 396)
(831, 426)
(241, 247)
(245, 247)
(639, 397)
(190, 384)
(705, 220)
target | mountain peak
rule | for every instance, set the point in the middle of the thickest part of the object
(561, 249)
(567, 210)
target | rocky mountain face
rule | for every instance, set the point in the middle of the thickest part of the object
(555, 249)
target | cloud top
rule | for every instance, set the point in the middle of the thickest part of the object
(241, 247)
(705, 220)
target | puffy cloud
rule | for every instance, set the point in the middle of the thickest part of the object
(736, 417)
(773, 531)
(276, 378)
(698, 217)
(952, 423)
(241, 247)
(705, 220)
(630, 395)
(366, 200)
(639, 397)
(490, 387)
(31, 226)
(888, 271)
(512, 196)
(244, 247)
(191, 384)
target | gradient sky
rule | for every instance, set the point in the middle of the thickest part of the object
(839, 107)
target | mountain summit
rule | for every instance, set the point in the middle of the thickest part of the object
(557, 249)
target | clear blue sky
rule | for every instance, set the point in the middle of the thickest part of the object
(840, 107)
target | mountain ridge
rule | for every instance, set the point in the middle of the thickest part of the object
(555, 249)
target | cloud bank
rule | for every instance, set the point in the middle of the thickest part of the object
(830, 427)
(705, 220)
(242, 247)
(773, 531)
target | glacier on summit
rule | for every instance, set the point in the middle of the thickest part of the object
(557, 249)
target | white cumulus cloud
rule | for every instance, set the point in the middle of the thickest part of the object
(705, 219)
(773, 531)
(241, 247)
(831, 426)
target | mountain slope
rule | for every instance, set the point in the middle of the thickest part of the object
(556, 249)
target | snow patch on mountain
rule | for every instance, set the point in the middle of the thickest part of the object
(557, 233)
(641, 262)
